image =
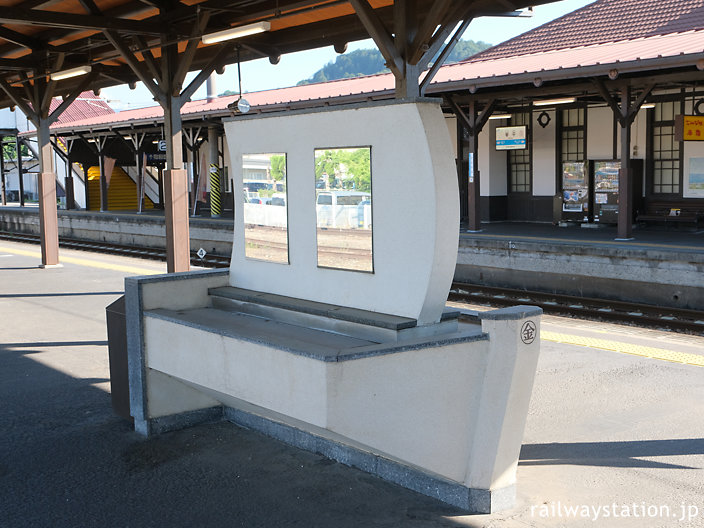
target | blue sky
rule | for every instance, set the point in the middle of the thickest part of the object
(261, 75)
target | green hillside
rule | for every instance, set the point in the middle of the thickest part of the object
(369, 61)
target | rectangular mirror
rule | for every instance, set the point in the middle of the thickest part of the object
(265, 207)
(343, 207)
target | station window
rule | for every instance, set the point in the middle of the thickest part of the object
(519, 160)
(666, 151)
(573, 135)
(343, 208)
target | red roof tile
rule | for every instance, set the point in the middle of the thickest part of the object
(601, 22)
(86, 105)
(624, 56)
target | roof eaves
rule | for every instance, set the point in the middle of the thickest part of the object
(595, 70)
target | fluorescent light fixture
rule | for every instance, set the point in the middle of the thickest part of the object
(236, 32)
(550, 102)
(73, 72)
(501, 116)
(648, 105)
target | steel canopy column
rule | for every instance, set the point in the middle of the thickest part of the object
(48, 216)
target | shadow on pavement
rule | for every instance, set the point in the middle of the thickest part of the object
(611, 454)
(66, 460)
(57, 294)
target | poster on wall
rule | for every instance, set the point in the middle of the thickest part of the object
(695, 179)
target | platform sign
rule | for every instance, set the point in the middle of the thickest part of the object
(689, 128)
(156, 158)
(511, 138)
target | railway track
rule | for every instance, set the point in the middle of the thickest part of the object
(642, 315)
(209, 261)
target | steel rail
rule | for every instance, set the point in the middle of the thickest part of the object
(209, 261)
(637, 314)
(642, 315)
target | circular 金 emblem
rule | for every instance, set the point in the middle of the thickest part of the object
(528, 332)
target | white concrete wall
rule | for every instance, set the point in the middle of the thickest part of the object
(415, 207)
(379, 401)
(600, 134)
(544, 155)
(451, 122)
(261, 375)
(493, 166)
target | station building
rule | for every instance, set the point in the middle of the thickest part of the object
(574, 89)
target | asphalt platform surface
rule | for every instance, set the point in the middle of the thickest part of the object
(606, 431)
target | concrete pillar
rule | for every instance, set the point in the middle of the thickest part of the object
(48, 215)
(507, 386)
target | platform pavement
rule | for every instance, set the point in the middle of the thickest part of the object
(604, 428)
(663, 238)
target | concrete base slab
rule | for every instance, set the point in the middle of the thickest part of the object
(341, 450)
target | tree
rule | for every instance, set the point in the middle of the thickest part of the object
(351, 164)
(370, 62)
(278, 167)
(9, 152)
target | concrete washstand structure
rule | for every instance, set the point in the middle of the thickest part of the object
(366, 367)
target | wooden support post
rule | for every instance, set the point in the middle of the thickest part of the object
(178, 250)
(48, 216)
(473, 194)
(102, 179)
(86, 190)
(68, 181)
(20, 171)
(625, 185)
(3, 195)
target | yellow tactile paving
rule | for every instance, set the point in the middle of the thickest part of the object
(84, 262)
(625, 348)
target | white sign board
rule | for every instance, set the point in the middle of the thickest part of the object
(511, 138)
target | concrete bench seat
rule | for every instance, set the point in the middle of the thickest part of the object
(377, 327)
(304, 341)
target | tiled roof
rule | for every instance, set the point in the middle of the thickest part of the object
(604, 21)
(86, 106)
(308, 92)
(626, 55)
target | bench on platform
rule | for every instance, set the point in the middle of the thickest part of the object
(674, 212)
(437, 408)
